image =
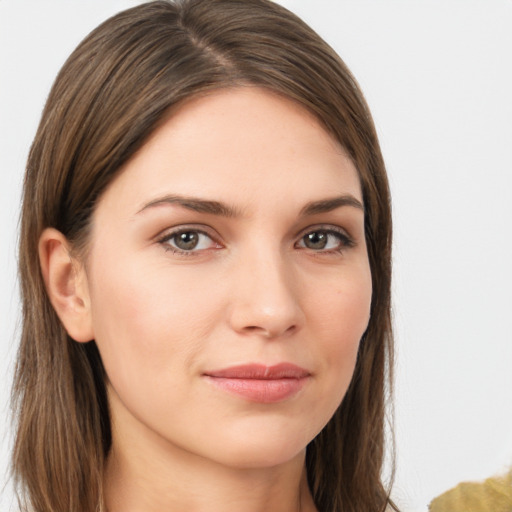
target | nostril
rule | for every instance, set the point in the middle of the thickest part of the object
(269, 333)
(256, 329)
(252, 328)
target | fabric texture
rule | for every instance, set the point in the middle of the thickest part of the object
(492, 495)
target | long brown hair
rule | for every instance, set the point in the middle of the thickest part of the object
(110, 95)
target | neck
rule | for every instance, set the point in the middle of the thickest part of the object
(144, 485)
(144, 473)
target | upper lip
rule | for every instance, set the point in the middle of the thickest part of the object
(261, 372)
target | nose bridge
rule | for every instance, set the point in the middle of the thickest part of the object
(264, 299)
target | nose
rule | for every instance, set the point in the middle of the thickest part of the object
(265, 297)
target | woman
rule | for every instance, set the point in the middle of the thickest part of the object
(207, 326)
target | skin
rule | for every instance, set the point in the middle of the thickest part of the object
(251, 291)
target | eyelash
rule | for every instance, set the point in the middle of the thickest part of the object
(165, 239)
(344, 240)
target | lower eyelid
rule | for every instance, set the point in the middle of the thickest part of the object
(168, 242)
(341, 235)
(345, 241)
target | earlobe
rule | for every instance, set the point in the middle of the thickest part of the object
(66, 285)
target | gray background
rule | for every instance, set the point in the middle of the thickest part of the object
(437, 75)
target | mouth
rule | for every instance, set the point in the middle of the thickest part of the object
(260, 383)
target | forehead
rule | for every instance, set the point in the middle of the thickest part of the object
(244, 145)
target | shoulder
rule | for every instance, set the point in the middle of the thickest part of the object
(492, 495)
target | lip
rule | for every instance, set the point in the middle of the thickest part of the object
(260, 383)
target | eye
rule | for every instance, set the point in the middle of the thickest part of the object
(188, 241)
(325, 240)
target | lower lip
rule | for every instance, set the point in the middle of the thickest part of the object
(266, 391)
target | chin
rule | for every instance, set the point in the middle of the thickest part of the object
(258, 452)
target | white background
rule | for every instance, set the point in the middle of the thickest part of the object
(437, 75)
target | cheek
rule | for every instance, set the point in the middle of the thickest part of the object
(342, 315)
(343, 307)
(147, 321)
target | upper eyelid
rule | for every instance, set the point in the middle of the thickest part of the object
(165, 237)
(169, 232)
(324, 227)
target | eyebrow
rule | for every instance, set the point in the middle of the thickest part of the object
(221, 209)
(195, 204)
(327, 205)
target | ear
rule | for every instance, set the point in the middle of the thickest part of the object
(66, 284)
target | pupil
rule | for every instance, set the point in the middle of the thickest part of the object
(316, 240)
(187, 240)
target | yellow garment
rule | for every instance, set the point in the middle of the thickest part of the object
(492, 495)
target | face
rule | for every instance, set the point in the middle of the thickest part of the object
(229, 282)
